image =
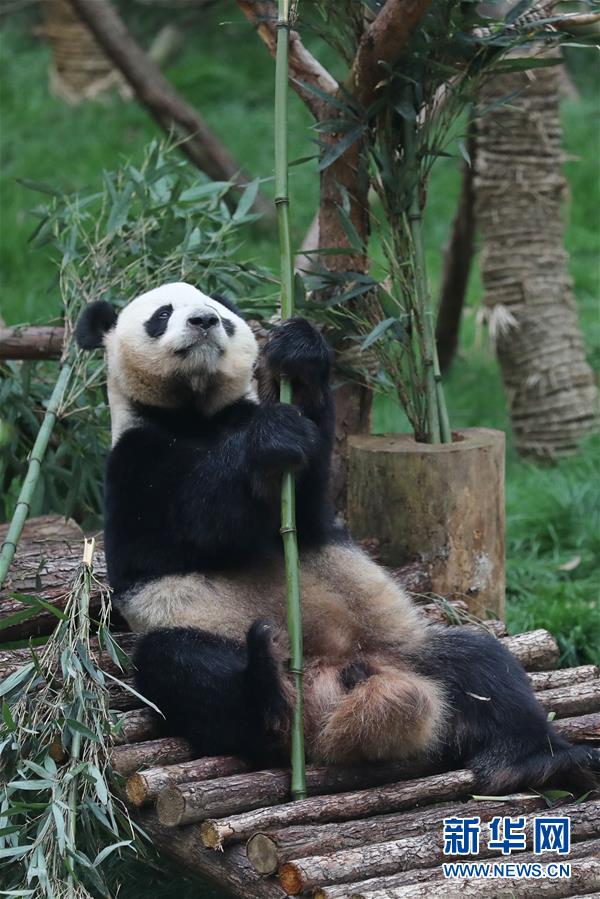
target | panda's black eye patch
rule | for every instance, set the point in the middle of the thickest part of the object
(228, 326)
(158, 321)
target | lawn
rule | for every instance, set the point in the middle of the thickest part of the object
(553, 515)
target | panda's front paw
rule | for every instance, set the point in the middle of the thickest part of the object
(298, 351)
(282, 439)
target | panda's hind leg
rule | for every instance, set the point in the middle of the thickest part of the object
(376, 711)
(224, 696)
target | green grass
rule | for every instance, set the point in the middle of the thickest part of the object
(226, 73)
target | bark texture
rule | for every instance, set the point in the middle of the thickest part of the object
(31, 343)
(452, 501)
(458, 256)
(184, 803)
(520, 192)
(405, 854)
(394, 797)
(267, 851)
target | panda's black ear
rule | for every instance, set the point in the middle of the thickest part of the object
(96, 319)
(225, 301)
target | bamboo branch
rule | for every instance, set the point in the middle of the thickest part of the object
(33, 472)
(288, 488)
(303, 67)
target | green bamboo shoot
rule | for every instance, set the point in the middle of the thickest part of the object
(33, 473)
(288, 497)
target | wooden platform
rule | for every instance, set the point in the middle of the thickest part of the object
(375, 833)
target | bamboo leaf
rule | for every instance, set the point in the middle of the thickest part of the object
(524, 63)
(16, 618)
(39, 186)
(246, 200)
(39, 604)
(104, 853)
(80, 728)
(341, 146)
(16, 678)
(464, 152)
(377, 332)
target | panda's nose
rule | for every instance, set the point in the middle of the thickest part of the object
(205, 321)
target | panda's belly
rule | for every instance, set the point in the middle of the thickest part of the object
(350, 605)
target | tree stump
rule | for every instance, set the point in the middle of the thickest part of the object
(443, 503)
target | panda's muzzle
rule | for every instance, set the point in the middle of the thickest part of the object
(204, 322)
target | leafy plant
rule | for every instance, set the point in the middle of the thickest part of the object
(420, 113)
(145, 226)
(59, 820)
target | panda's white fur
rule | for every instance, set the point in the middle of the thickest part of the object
(150, 371)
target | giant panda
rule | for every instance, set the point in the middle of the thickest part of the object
(194, 557)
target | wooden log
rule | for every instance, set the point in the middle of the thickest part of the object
(422, 851)
(585, 875)
(45, 564)
(267, 851)
(361, 803)
(579, 699)
(388, 887)
(581, 729)
(564, 677)
(126, 760)
(535, 650)
(184, 803)
(415, 577)
(137, 725)
(230, 870)
(145, 786)
(31, 342)
(450, 488)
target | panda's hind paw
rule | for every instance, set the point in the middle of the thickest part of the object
(354, 673)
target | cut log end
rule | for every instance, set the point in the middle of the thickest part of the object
(290, 879)
(136, 790)
(261, 851)
(170, 807)
(214, 835)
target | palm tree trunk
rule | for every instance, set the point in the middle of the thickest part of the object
(520, 191)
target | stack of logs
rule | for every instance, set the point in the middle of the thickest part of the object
(362, 833)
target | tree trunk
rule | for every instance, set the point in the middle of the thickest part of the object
(79, 68)
(162, 101)
(458, 256)
(348, 173)
(451, 497)
(519, 192)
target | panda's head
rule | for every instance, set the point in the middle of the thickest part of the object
(171, 347)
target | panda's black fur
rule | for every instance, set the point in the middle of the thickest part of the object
(192, 503)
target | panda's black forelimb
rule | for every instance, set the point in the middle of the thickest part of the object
(222, 696)
(495, 724)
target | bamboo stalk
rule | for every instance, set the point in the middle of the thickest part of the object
(438, 425)
(288, 495)
(33, 472)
